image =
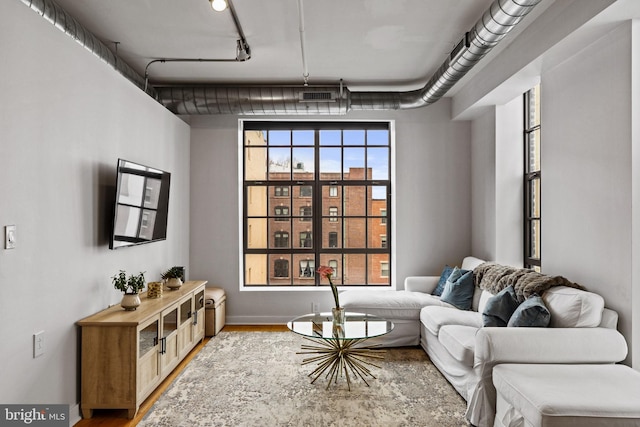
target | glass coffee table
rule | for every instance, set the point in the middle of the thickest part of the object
(340, 348)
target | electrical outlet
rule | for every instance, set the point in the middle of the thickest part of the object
(315, 307)
(38, 344)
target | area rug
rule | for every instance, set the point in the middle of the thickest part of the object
(256, 379)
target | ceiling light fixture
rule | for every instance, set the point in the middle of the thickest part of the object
(243, 52)
(218, 5)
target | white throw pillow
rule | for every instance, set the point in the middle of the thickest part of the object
(573, 308)
(482, 300)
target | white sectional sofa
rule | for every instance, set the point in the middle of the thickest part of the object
(582, 331)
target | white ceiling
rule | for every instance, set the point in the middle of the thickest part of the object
(370, 44)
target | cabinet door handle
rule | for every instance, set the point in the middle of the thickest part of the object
(163, 345)
(195, 317)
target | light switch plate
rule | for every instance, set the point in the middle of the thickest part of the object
(38, 344)
(10, 236)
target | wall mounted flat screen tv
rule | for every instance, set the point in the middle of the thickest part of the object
(141, 205)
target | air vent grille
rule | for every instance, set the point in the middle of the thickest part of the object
(318, 96)
(457, 50)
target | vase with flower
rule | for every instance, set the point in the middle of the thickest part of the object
(337, 311)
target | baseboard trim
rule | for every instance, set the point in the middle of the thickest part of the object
(74, 414)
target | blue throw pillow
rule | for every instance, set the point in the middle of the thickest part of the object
(458, 290)
(500, 307)
(532, 313)
(446, 272)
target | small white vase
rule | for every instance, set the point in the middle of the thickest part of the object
(130, 301)
(174, 283)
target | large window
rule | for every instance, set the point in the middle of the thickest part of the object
(532, 180)
(328, 186)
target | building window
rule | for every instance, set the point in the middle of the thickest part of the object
(306, 191)
(384, 269)
(281, 268)
(281, 192)
(281, 239)
(532, 180)
(305, 213)
(282, 213)
(333, 214)
(333, 239)
(383, 241)
(307, 268)
(306, 240)
(337, 179)
(334, 264)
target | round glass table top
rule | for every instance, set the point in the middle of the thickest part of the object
(356, 326)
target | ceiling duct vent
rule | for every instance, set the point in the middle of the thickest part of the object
(457, 50)
(326, 96)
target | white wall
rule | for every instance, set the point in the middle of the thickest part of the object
(496, 151)
(65, 119)
(635, 206)
(433, 211)
(587, 171)
(509, 187)
(483, 178)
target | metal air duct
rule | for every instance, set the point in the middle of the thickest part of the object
(492, 27)
(53, 13)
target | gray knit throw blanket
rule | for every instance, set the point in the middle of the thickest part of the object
(495, 277)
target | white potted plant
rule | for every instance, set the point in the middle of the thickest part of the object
(173, 277)
(131, 286)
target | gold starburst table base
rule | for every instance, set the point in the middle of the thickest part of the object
(337, 356)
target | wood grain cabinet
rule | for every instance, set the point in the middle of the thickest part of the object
(126, 354)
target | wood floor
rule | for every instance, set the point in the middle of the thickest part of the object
(118, 418)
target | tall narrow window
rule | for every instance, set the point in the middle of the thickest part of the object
(305, 239)
(307, 268)
(333, 214)
(305, 213)
(316, 193)
(532, 181)
(281, 268)
(384, 269)
(281, 239)
(334, 264)
(333, 239)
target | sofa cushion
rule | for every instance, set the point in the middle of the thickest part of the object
(389, 304)
(469, 263)
(532, 313)
(573, 308)
(433, 318)
(500, 307)
(459, 289)
(459, 341)
(483, 298)
(446, 272)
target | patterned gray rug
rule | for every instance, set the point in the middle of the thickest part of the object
(256, 379)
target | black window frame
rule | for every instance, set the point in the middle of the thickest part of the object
(532, 132)
(369, 184)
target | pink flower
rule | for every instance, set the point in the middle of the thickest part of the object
(327, 272)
